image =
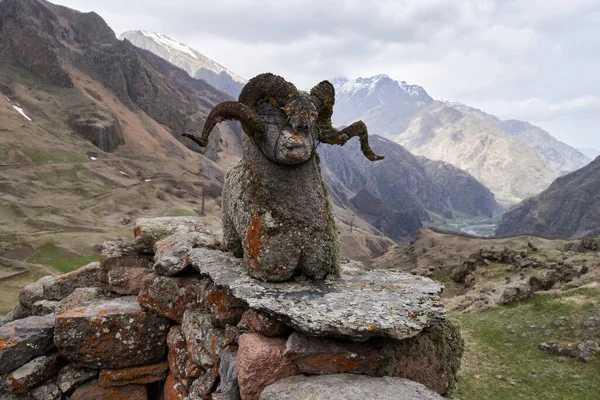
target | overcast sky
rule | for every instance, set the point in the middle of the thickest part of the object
(535, 60)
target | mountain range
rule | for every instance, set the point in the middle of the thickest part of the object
(569, 208)
(513, 158)
(194, 63)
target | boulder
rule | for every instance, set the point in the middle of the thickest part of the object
(359, 305)
(20, 311)
(515, 294)
(134, 375)
(172, 390)
(225, 309)
(229, 385)
(177, 352)
(91, 391)
(172, 253)
(29, 375)
(431, 358)
(347, 387)
(109, 334)
(314, 355)
(47, 391)
(24, 339)
(119, 259)
(80, 296)
(148, 231)
(70, 377)
(58, 287)
(204, 342)
(44, 307)
(254, 321)
(171, 296)
(261, 361)
(203, 386)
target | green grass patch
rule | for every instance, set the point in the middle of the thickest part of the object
(53, 256)
(503, 342)
(182, 213)
(41, 156)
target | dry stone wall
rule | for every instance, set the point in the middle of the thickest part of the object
(172, 316)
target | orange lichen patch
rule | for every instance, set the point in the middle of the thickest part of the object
(138, 375)
(5, 343)
(255, 233)
(217, 300)
(137, 231)
(339, 363)
(214, 245)
(296, 138)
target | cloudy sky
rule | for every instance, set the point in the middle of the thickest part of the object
(535, 60)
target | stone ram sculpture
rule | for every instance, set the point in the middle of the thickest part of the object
(275, 206)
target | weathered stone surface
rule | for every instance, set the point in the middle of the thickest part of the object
(172, 389)
(24, 339)
(34, 292)
(29, 375)
(203, 386)
(261, 362)
(46, 391)
(431, 358)
(133, 375)
(360, 304)
(172, 253)
(71, 377)
(148, 231)
(44, 307)
(109, 334)
(58, 287)
(347, 387)
(91, 391)
(254, 321)
(225, 309)
(204, 342)
(229, 385)
(126, 281)
(80, 296)
(20, 311)
(327, 356)
(171, 296)
(177, 352)
(116, 255)
(515, 294)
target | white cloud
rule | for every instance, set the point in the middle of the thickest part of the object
(537, 109)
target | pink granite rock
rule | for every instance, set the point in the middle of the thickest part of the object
(254, 321)
(261, 362)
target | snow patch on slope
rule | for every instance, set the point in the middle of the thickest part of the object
(167, 42)
(20, 110)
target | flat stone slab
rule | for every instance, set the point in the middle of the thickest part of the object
(148, 231)
(347, 387)
(358, 305)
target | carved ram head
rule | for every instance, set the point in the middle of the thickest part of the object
(286, 124)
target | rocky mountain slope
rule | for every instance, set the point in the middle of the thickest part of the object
(188, 59)
(398, 194)
(454, 133)
(564, 157)
(569, 208)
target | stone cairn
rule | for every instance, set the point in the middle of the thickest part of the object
(172, 316)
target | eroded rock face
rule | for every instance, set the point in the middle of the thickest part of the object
(172, 253)
(24, 339)
(122, 268)
(359, 305)
(29, 375)
(111, 334)
(329, 356)
(171, 296)
(91, 391)
(204, 342)
(148, 231)
(70, 377)
(347, 386)
(260, 362)
(105, 133)
(133, 375)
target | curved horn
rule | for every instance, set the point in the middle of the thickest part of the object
(324, 99)
(230, 110)
(267, 86)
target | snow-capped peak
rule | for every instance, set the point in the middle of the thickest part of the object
(166, 41)
(351, 86)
